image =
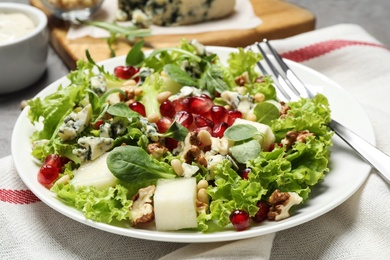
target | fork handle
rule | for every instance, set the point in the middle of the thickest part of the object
(378, 159)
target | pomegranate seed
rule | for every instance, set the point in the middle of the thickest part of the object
(273, 145)
(232, 116)
(244, 173)
(47, 174)
(261, 215)
(64, 160)
(218, 114)
(184, 118)
(163, 124)
(205, 96)
(207, 115)
(202, 121)
(219, 129)
(240, 219)
(170, 143)
(167, 109)
(98, 124)
(126, 72)
(181, 104)
(138, 107)
(54, 160)
(199, 105)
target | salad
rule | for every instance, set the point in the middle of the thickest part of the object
(179, 139)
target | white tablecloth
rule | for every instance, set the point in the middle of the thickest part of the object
(357, 229)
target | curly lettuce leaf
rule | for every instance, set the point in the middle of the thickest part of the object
(244, 61)
(105, 205)
(232, 192)
(305, 114)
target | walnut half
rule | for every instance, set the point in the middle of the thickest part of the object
(142, 210)
(281, 202)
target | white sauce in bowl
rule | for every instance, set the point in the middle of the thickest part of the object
(14, 26)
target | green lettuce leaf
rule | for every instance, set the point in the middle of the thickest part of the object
(105, 205)
(232, 192)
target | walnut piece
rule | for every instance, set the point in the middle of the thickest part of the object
(201, 207)
(157, 150)
(281, 203)
(242, 79)
(285, 109)
(295, 136)
(142, 210)
(192, 150)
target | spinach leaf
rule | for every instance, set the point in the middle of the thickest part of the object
(135, 55)
(178, 75)
(176, 131)
(133, 164)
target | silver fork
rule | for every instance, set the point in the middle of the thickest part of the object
(289, 88)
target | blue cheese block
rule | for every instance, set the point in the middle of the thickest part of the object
(174, 12)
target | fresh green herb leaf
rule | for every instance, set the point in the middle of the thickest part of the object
(135, 55)
(265, 112)
(89, 58)
(178, 75)
(112, 91)
(241, 132)
(128, 31)
(176, 131)
(182, 52)
(212, 80)
(116, 31)
(122, 110)
(246, 151)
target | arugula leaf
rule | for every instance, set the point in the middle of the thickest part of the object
(212, 80)
(178, 75)
(116, 31)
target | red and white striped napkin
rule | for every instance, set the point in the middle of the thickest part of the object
(357, 229)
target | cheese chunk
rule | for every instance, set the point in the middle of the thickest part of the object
(92, 147)
(75, 123)
(174, 12)
(175, 204)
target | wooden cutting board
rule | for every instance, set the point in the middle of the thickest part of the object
(279, 20)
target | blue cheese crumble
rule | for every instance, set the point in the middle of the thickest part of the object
(75, 123)
(92, 147)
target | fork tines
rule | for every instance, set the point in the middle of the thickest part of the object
(288, 85)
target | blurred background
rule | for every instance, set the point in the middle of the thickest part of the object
(372, 15)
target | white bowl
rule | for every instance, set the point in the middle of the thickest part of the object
(23, 60)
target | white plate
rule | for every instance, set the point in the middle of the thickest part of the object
(347, 174)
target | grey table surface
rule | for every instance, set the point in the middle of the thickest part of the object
(371, 15)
